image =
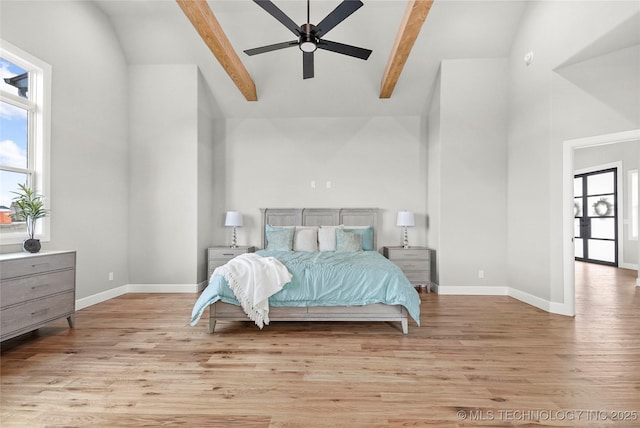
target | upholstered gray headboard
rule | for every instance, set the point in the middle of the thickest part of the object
(319, 217)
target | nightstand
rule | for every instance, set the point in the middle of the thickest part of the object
(415, 262)
(217, 256)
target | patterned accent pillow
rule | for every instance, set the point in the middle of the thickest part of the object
(348, 241)
(280, 239)
(367, 235)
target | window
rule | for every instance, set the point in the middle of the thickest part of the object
(25, 85)
(633, 204)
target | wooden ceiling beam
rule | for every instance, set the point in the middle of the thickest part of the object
(414, 17)
(206, 24)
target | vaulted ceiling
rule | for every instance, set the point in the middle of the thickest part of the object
(159, 32)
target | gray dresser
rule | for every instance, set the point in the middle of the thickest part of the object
(415, 262)
(217, 256)
(36, 289)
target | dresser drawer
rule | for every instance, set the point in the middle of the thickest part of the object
(399, 254)
(33, 287)
(418, 277)
(227, 253)
(218, 256)
(26, 317)
(30, 265)
(406, 265)
(212, 265)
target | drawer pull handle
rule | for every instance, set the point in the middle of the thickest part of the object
(40, 312)
(228, 254)
(39, 264)
(35, 287)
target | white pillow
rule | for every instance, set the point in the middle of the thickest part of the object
(327, 237)
(305, 239)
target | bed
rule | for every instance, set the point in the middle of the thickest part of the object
(326, 285)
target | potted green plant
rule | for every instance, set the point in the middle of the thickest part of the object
(29, 207)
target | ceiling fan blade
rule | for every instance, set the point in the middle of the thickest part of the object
(274, 11)
(344, 49)
(307, 65)
(339, 14)
(269, 48)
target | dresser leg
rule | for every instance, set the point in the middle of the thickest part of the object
(71, 320)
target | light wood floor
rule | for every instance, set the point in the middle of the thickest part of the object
(492, 361)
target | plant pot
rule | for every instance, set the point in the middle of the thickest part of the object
(31, 245)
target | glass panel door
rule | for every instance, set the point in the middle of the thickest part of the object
(596, 217)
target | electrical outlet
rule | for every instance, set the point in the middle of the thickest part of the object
(481, 274)
(110, 276)
(328, 184)
(313, 184)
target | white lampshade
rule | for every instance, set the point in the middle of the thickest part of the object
(405, 218)
(234, 218)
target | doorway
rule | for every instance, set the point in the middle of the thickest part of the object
(596, 217)
(568, 227)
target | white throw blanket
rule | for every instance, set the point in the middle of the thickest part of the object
(253, 279)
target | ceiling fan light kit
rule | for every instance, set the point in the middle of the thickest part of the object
(310, 36)
(308, 43)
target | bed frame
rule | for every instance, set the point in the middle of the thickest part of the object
(221, 311)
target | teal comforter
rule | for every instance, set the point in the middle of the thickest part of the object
(327, 278)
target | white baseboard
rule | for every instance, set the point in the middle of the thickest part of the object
(545, 305)
(162, 288)
(470, 290)
(85, 302)
(628, 266)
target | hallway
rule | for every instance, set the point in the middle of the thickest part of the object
(601, 291)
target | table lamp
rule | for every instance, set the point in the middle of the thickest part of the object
(405, 219)
(233, 219)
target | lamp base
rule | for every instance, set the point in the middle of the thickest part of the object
(234, 239)
(405, 240)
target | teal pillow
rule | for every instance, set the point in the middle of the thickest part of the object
(367, 236)
(348, 241)
(279, 238)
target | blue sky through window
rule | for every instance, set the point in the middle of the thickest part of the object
(13, 135)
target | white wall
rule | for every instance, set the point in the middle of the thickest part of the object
(206, 205)
(89, 158)
(434, 161)
(609, 80)
(469, 154)
(163, 174)
(376, 162)
(547, 109)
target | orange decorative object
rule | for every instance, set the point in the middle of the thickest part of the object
(5, 216)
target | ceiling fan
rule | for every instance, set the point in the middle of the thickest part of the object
(310, 36)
